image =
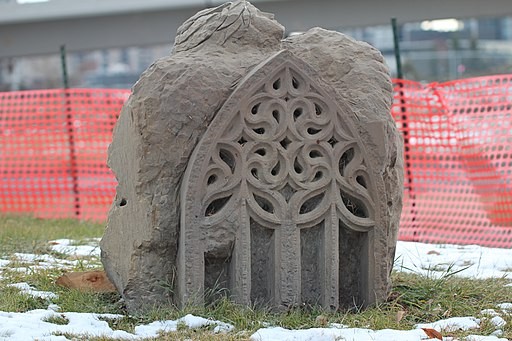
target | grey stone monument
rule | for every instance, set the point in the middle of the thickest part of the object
(268, 168)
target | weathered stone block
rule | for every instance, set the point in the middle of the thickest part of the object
(270, 168)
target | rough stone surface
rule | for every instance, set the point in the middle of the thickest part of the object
(295, 200)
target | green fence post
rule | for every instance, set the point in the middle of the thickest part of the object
(405, 123)
(71, 133)
(396, 44)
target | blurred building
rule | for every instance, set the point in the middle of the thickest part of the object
(105, 68)
(440, 50)
(432, 50)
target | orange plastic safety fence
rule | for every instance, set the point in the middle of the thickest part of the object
(458, 157)
(53, 147)
(458, 139)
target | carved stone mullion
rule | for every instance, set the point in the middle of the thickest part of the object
(241, 258)
(191, 268)
(367, 255)
(331, 259)
(190, 283)
(288, 266)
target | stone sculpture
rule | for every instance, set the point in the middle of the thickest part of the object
(266, 167)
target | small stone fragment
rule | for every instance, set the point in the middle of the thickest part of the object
(94, 281)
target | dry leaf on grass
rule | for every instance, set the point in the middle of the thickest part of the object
(432, 333)
(400, 315)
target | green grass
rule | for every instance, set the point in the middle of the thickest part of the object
(28, 234)
(60, 319)
(414, 298)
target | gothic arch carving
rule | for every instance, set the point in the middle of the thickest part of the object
(281, 158)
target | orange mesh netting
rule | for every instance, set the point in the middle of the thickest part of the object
(458, 160)
(53, 146)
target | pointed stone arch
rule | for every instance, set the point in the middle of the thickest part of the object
(278, 201)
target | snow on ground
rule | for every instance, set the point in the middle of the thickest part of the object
(437, 260)
(36, 325)
(428, 259)
(66, 246)
(27, 289)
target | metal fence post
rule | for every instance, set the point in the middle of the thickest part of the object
(405, 121)
(71, 133)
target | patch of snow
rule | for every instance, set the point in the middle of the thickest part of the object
(489, 312)
(483, 338)
(506, 307)
(338, 325)
(437, 260)
(152, 329)
(37, 262)
(32, 258)
(498, 321)
(497, 332)
(452, 324)
(331, 334)
(194, 322)
(54, 307)
(25, 288)
(191, 321)
(66, 246)
(33, 325)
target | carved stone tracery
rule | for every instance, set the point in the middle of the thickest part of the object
(282, 154)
